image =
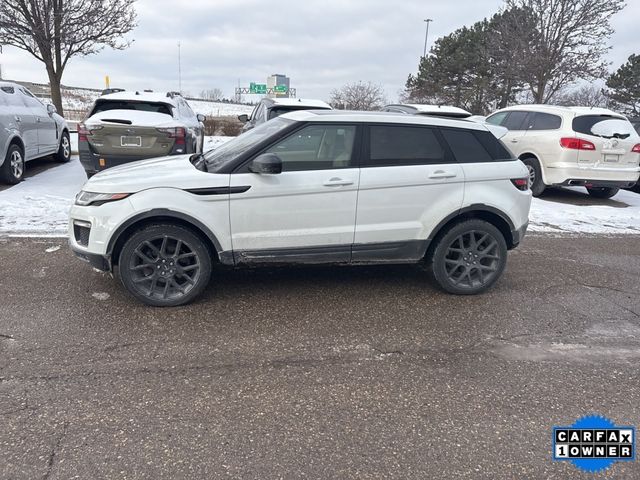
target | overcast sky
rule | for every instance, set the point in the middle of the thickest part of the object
(320, 44)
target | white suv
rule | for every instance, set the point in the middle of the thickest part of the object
(590, 147)
(308, 188)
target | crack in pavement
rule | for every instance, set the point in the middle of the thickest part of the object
(54, 451)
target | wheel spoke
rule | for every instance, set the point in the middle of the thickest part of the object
(190, 268)
(154, 282)
(166, 288)
(143, 256)
(163, 248)
(152, 247)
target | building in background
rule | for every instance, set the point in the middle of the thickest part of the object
(279, 81)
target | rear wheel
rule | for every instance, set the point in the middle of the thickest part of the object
(12, 169)
(165, 265)
(64, 152)
(469, 258)
(536, 184)
(603, 192)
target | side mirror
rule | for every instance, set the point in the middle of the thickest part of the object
(244, 118)
(201, 118)
(267, 163)
(51, 109)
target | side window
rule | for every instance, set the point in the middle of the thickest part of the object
(465, 146)
(188, 110)
(12, 97)
(29, 100)
(316, 147)
(497, 118)
(516, 121)
(403, 145)
(545, 121)
(493, 146)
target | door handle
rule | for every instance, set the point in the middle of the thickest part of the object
(514, 140)
(337, 182)
(442, 174)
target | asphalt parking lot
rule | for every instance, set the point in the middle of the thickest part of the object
(323, 372)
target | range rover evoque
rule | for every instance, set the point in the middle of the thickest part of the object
(310, 187)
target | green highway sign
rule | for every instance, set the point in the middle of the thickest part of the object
(258, 88)
(280, 89)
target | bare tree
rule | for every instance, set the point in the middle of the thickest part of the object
(570, 42)
(585, 96)
(214, 94)
(358, 96)
(54, 31)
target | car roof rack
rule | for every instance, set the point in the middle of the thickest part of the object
(108, 91)
(173, 94)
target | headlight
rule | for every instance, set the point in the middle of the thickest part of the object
(90, 198)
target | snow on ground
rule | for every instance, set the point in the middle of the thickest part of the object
(39, 206)
(219, 109)
(550, 216)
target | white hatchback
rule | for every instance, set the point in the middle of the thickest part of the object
(309, 188)
(572, 146)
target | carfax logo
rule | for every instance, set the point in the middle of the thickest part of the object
(594, 443)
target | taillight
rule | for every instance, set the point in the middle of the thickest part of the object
(576, 144)
(84, 132)
(636, 149)
(521, 183)
(178, 133)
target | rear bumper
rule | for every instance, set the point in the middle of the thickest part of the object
(560, 173)
(518, 234)
(91, 161)
(579, 182)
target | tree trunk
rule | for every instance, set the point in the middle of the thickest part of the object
(56, 93)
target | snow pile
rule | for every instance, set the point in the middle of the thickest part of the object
(619, 215)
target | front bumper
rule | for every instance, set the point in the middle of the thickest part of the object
(100, 262)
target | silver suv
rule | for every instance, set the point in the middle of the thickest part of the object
(28, 130)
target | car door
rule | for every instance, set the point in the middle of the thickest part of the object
(517, 122)
(25, 121)
(408, 183)
(308, 211)
(46, 125)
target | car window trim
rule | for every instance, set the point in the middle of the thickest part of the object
(366, 153)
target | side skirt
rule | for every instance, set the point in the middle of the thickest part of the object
(368, 253)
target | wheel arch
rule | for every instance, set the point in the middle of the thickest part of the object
(159, 215)
(14, 140)
(482, 212)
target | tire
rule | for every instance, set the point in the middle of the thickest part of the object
(536, 184)
(469, 258)
(12, 170)
(603, 192)
(64, 152)
(164, 265)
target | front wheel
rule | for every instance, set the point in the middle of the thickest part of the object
(165, 265)
(469, 258)
(12, 170)
(603, 192)
(64, 152)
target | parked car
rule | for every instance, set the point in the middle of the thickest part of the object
(572, 146)
(269, 108)
(432, 110)
(123, 127)
(28, 130)
(310, 187)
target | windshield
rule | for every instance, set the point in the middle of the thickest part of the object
(233, 149)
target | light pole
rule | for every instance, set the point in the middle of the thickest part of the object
(426, 35)
(179, 71)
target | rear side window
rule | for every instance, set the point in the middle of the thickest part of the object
(498, 118)
(494, 147)
(403, 145)
(466, 147)
(516, 121)
(545, 121)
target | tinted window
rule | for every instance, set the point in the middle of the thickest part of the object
(498, 118)
(465, 146)
(493, 146)
(316, 147)
(401, 145)
(106, 105)
(602, 125)
(545, 121)
(515, 120)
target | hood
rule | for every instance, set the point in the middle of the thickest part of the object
(165, 172)
(131, 117)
